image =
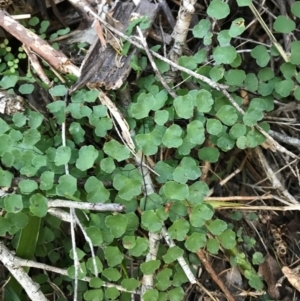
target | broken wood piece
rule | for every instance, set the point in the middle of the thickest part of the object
(105, 67)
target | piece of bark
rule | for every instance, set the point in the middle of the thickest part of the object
(100, 68)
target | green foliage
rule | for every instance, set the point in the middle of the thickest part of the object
(198, 126)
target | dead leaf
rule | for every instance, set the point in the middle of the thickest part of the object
(270, 271)
(292, 277)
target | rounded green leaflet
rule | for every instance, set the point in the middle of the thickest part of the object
(113, 256)
(200, 56)
(235, 77)
(112, 293)
(13, 203)
(195, 242)
(216, 227)
(161, 66)
(200, 214)
(140, 247)
(5, 226)
(34, 21)
(81, 271)
(201, 29)
(257, 258)
(46, 180)
(218, 9)
(237, 27)
(227, 114)
(102, 126)
(87, 157)
(285, 87)
(163, 282)
(242, 3)
(217, 73)
(129, 242)
(31, 137)
(188, 169)
(284, 24)
(214, 126)
(224, 54)
(184, 106)
(146, 143)
(238, 130)
(38, 205)
(210, 154)
(224, 38)
(108, 165)
(150, 267)
(150, 221)
(100, 111)
(195, 132)
(254, 280)
(179, 229)
(177, 210)
(93, 295)
(265, 74)
(261, 55)
(95, 235)
(197, 192)
(35, 119)
(77, 132)
(188, 62)
(288, 70)
(116, 150)
(6, 144)
(98, 193)
(297, 93)
(213, 246)
(8, 81)
(95, 282)
(227, 239)
(62, 156)
(27, 186)
(175, 191)
(17, 219)
(252, 115)
(295, 53)
(295, 9)
(151, 295)
(161, 117)
(111, 274)
(8, 159)
(26, 89)
(79, 252)
(251, 82)
(202, 100)
(176, 294)
(90, 265)
(128, 188)
(143, 106)
(67, 185)
(59, 90)
(225, 142)
(164, 170)
(4, 127)
(172, 254)
(172, 136)
(116, 224)
(130, 284)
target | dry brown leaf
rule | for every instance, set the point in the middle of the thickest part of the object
(270, 271)
(292, 277)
